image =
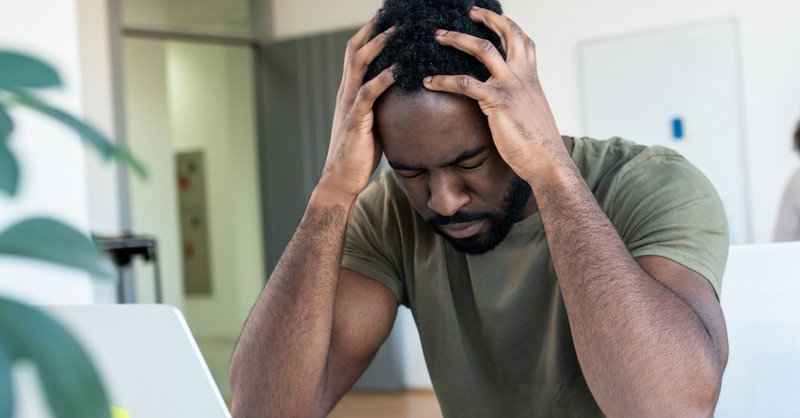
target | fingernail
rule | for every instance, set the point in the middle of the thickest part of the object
(427, 79)
(391, 29)
(440, 32)
(474, 7)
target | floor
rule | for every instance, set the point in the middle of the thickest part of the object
(402, 404)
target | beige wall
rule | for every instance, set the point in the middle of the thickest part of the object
(294, 18)
(154, 205)
(218, 119)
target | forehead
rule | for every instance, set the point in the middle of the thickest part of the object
(429, 126)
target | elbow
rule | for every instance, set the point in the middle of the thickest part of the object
(699, 397)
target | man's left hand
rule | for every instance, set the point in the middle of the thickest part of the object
(521, 122)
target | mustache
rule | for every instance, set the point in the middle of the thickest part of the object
(458, 217)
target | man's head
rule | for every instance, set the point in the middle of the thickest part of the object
(413, 48)
(439, 144)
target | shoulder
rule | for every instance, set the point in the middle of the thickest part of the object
(661, 204)
(615, 159)
(607, 164)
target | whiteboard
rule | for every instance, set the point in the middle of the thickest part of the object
(679, 88)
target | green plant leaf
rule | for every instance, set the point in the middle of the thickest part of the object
(9, 172)
(124, 156)
(71, 384)
(90, 135)
(6, 382)
(19, 70)
(9, 169)
(50, 240)
(6, 125)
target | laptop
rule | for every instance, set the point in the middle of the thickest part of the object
(148, 359)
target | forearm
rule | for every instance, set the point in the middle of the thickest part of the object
(643, 350)
(279, 365)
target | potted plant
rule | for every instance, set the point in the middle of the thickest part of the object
(69, 380)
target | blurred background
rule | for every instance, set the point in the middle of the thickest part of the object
(229, 103)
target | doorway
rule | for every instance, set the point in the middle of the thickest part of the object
(189, 92)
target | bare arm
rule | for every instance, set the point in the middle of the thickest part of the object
(316, 326)
(649, 333)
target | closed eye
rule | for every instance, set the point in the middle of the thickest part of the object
(471, 165)
(409, 174)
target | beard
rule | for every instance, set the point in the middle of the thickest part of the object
(517, 196)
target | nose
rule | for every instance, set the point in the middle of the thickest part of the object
(447, 194)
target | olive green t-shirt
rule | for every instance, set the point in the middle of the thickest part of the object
(493, 327)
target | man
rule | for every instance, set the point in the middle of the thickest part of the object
(548, 275)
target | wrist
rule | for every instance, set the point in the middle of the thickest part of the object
(324, 195)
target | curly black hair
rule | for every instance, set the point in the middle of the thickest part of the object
(412, 45)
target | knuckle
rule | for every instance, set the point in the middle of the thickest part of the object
(487, 46)
(517, 31)
(530, 44)
(384, 77)
(365, 92)
(350, 45)
(463, 81)
(357, 62)
(507, 99)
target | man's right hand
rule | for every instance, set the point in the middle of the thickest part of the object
(316, 326)
(354, 153)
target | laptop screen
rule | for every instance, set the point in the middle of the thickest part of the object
(148, 359)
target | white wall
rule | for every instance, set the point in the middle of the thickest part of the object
(98, 103)
(97, 99)
(52, 159)
(769, 36)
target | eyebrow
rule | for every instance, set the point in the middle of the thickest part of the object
(466, 155)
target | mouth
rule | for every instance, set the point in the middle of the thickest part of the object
(461, 230)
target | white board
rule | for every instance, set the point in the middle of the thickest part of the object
(636, 86)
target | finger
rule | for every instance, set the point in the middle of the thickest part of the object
(482, 49)
(355, 43)
(371, 90)
(516, 43)
(357, 62)
(373, 48)
(361, 37)
(460, 84)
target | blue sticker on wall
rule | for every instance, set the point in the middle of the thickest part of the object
(677, 128)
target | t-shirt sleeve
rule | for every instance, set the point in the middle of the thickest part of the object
(370, 247)
(664, 206)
